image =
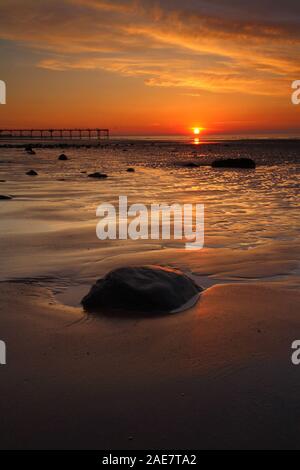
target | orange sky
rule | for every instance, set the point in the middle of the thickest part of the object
(151, 67)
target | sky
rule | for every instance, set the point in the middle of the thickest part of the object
(151, 67)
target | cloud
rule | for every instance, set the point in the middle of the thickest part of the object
(192, 46)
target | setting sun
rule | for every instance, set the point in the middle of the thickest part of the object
(196, 130)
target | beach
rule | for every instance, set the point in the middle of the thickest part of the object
(218, 375)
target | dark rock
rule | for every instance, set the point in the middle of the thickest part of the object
(234, 163)
(31, 173)
(97, 175)
(130, 170)
(28, 148)
(145, 289)
(63, 157)
(3, 197)
(191, 165)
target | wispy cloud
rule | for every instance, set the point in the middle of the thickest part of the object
(198, 46)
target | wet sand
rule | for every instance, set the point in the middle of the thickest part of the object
(214, 377)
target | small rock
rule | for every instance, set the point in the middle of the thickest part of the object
(29, 150)
(4, 197)
(97, 174)
(191, 165)
(31, 173)
(130, 170)
(63, 157)
(246, 163)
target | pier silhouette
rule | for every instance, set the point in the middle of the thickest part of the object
(54, 134)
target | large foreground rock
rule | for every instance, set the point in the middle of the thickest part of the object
(234, 163)
(145, 289)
